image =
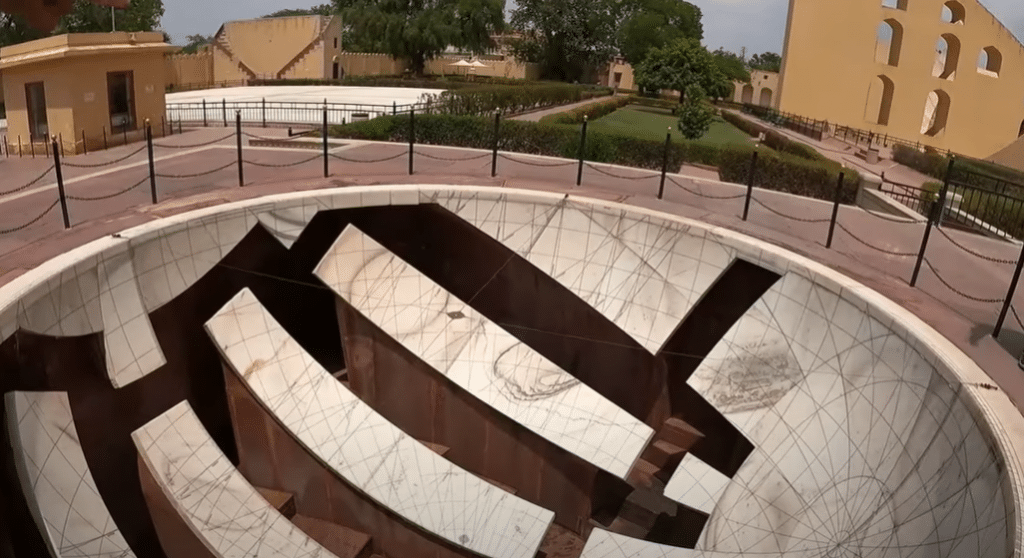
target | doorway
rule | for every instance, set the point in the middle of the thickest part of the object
(35, 101)
(121, 94)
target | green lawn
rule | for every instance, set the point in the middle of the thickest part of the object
(652, 123)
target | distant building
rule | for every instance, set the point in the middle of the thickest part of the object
(762, 89)
(90, 83)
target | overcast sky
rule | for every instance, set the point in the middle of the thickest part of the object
(759, 25)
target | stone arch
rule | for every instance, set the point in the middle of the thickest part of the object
(765, 99)
(879, 104)
(936, 113)
(953, 12)
(748, 94)
(895, 4)
(889, 42)
(947, 57)
(990, 61)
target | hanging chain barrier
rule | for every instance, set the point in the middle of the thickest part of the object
(702, 194)
(561, 164)
(973, 252)
(452, 159)
(282, 165)
(198, 174)
(904, 221)
(33, 221)
(876, 248)
(787, 216)
(30, 184)
(105, 163)
(381, 160)
(108, 196)
(623, 177)
(191, 145)
(958, 291)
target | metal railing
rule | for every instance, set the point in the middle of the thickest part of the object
(263, 112)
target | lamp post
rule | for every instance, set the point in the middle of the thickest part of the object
(113, 23)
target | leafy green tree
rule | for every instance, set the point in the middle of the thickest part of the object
(768, 62)
(731, 65)
(321, 10)
(695, 116)
(679, 66)
(656, 23)
(419, 30)
(14, 29)
(86, 17)
(569, 37)
(195, 42)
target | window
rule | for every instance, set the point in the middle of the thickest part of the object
(35, 102)
(889, 42)
(953, 12)
(334, 71)
(879, 102)
(990, 61)
(895, 4)
(335, 42)
(766, 98)
(947, 57)
(121, 99)
(748, 94)
(936, 112)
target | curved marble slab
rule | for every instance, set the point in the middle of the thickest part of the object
(606, 544)
(56, 481)
(479, 356)
(366, 450)
(216, 502)
(640, 273)
(696, 484)
(859, 443)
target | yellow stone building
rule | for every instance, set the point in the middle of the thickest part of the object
(91, 83)
(278, 48)
(946, 74)
(762, 90)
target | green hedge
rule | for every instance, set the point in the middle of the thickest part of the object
(935, 165)
(508, 99)
(772, 138)
(776, 171)
(752, 129)
(592, 111)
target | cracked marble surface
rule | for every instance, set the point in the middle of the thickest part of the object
(479, 356)
(364, 448)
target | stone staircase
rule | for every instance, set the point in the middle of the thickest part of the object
(317, 41)
(224, 45)
(342, 541)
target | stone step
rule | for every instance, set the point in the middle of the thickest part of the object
(341, 541)
(282, 501)
(642, 474)
(663, 454)
(437, 448)
(678, 433)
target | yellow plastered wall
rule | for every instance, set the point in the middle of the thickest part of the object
(832, 64)
(497, 66)
(76, 95)
(189, 71)
(762, 89)
(367, 64)
(267, 45)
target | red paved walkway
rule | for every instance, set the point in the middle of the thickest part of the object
(968, 323)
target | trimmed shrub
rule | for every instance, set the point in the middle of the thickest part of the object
(592, 112)
(776, 171)
(508, 99)
(670, 104)
(781, 143)
(752, 129)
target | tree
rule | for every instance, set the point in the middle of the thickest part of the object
(656, 23)
(195, 42)
(419, 30)
(86, 17)
(43, 15)
(731, 65)
(321, 10)
(679, 66)
(768, 62)
(569, 37)
(14, 29)
(695, 116)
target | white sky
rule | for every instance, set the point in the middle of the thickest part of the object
(759, 25)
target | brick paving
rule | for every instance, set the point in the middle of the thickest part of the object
(967, 323)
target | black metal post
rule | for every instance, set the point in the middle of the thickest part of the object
(327, 170)
(61, 139)
(412, 134)
(180, 128)
(205, 123)
(105, 138)
(124, 133)
(46, 145)
(835, 211)
(494, 152)
(32, 145)
(152, 163)
(264, 112)
(19, 147)
(224, 111)
(394, 108)
(7, 148)
(583, 148)
(238, 140)
(750, 185)
(1009, 296)
(60, 184)
(664, 163)
(85, 149)
(935, 213)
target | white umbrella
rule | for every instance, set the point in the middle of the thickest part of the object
(478, 64)
(461, 64)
